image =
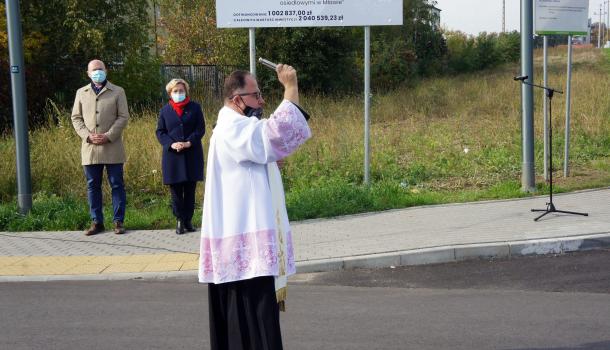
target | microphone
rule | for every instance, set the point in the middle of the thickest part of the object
(267, 63)
(521, 78)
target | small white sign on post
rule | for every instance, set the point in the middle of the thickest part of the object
(307, 13)
(569, 17)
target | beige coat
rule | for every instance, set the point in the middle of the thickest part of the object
(106, 113)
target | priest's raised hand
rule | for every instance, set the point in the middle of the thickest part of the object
(287, 75)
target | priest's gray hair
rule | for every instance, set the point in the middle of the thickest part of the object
(234, 82)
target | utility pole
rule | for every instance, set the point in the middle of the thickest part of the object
(603, 19)
(599, 28)
(607, 12)
(20, 116)
(503, 16)
(528, 178)
(608, 21)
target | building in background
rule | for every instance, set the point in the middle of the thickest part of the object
(436, 16)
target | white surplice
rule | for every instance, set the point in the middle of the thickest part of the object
(245, 231)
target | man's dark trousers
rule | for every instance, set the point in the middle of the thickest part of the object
(94, 174)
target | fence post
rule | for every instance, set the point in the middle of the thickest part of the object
(216, 84)
(162, 87)
(192, 74)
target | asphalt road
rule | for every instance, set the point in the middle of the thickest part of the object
(537, 303)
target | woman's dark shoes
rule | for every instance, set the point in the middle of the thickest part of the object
(180, 229)
(188, 225)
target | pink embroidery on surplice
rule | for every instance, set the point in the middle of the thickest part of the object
(287, 129)
(241, 257)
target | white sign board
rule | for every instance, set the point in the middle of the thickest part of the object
(561, 17)
(307, 13)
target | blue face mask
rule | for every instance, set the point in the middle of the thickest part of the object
(178, 96)
(98, 76)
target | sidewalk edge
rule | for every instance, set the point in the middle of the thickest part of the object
(423, 256)
(454, 253)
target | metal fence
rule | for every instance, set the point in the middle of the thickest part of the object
(58, 83)
(205, 81)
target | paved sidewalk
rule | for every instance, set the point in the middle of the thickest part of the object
(410, 236)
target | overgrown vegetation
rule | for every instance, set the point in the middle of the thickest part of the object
(446, 139)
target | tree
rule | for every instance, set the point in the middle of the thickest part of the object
(324, 57)
(461, 55)
(509, 46)
(61, 36)
(113, 29)
(190, 35)
(33, 42)
(417, 48)
(5, 100)
(428, 41)
(467, 53)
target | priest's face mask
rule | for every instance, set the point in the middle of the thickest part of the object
(250, 100)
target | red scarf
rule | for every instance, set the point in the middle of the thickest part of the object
(179, 107)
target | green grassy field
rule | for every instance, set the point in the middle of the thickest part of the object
(446, 139)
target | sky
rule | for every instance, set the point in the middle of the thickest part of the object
(475, 16)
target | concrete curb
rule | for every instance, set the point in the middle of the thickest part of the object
(423, 256)
(445, 254)
(103, 277)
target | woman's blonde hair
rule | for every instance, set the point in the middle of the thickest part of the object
(172, 84)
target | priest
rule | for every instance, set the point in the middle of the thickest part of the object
(246, 244)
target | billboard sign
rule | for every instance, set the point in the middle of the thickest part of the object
(569, 17)
(307, 13)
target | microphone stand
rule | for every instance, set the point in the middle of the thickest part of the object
(550, 207)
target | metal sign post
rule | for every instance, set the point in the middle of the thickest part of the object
(545, 73)
(252, 39)
(566, 169)
(20, 116)
(367, 103)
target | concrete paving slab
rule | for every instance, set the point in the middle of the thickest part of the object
(163, 267)
(190, 265)
(10, 260)
(180, 257)
(123, 268)
(143, 259)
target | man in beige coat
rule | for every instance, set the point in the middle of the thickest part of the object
(99, 116)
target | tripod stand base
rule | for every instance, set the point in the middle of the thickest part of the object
(550, 208)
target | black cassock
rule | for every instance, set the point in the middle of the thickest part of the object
(244, 315)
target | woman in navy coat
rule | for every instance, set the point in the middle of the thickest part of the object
(179, 130)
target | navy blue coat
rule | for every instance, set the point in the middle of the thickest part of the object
(186, 165)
